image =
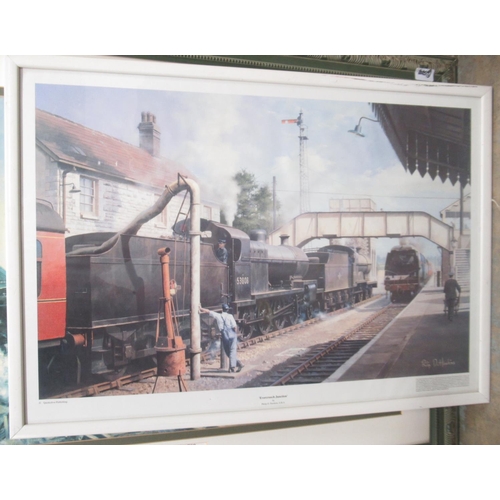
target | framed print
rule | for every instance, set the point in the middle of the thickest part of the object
(192, 246)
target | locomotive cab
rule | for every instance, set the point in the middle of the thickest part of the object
(237, 244)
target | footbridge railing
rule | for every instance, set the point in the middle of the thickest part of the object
(313, 225)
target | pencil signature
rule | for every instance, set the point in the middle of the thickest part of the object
(434, 363)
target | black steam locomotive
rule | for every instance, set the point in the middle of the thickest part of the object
(113, 297)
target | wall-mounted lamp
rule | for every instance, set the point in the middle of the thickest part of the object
(357, 128)
(73, 189)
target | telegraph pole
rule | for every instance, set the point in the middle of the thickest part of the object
(303, 173)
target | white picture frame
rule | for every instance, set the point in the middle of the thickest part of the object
(31, 417)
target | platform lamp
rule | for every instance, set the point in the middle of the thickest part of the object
(73, 190)
(357, 131)
(357, 128)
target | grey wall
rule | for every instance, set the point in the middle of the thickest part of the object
(479, 423)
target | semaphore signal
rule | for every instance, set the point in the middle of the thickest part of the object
(303, 173)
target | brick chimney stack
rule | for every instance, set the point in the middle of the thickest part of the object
(149, 134)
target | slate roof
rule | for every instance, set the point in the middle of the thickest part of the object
(74, 144)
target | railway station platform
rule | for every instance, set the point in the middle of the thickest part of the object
(419, 341)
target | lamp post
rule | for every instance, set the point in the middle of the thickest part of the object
(357, 128)
(357, 131)
(454, 245)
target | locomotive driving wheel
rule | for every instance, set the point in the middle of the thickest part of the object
(280, 319)
(247, 331)
(264, 313)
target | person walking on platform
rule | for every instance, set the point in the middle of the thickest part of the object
(452, 291)
(227, 328)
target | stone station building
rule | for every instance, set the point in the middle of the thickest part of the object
(98, 183)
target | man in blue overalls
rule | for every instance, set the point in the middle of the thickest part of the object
(227, 328)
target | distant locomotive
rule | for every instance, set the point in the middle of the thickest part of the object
(406, 272)
(101, 309)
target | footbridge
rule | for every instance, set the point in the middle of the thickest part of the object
(313, 225)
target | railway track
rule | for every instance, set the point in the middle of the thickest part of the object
(322, 361)
(101, 387)
(95, 389)
(298, 326)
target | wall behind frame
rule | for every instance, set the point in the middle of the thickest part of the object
(407, 428)
(410, 427)
(478, 424)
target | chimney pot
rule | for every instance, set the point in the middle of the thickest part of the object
(149, 134)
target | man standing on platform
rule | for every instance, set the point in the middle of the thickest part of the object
(227, 328)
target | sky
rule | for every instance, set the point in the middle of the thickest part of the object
(215, 136)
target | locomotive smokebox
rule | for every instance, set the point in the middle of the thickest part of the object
(170, 350)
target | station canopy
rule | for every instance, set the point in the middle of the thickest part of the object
(429, 140)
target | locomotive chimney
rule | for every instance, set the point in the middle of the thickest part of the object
(149, 134)
(284, 239)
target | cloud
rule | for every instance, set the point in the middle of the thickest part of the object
(219, 145)
(217, 135)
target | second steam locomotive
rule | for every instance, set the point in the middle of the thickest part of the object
(102, 309)
(406, 272)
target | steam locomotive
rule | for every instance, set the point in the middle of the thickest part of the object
(100, 310)
(406, 272)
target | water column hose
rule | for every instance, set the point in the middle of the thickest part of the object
(170, 191)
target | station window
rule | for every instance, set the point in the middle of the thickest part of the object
(38, 268)
(88, 197)
(207, 212)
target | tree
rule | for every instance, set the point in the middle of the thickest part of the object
(255, 204)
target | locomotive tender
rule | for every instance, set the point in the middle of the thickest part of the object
(406, 272)
(101, 309)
